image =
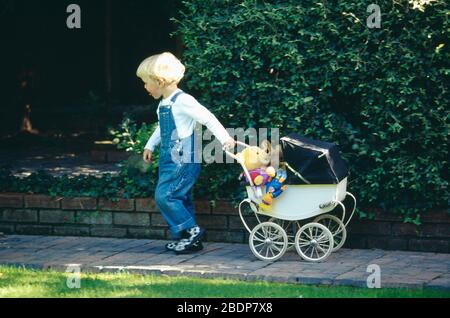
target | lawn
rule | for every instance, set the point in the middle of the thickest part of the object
(21, 282)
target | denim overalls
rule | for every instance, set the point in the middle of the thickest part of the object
(178, 172)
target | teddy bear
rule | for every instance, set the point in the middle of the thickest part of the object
(255, 157)
(256, 160)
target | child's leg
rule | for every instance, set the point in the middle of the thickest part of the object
(170, 195)
(189, 203)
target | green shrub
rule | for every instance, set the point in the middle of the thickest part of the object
(315, 68)
(130, 183)
(127, 136)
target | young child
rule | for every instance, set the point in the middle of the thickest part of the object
(178, 171)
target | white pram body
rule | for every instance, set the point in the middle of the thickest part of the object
(309, 197)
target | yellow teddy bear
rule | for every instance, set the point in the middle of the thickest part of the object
(257, 161)
(254, 157)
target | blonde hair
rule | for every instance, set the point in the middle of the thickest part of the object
(164, 67)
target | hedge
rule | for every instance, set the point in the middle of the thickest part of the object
(314, 67)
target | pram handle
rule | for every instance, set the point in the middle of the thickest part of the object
(242, 144)
(232, 155)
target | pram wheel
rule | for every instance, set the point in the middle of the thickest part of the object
(314, 242)
(336, 227)
(290, 227)
(268, 241)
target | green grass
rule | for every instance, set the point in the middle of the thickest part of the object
(22, 282)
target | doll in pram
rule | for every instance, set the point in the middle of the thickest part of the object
(303, 215)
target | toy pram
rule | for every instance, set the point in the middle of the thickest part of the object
(316, 185)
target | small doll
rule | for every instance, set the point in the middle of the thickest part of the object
(273, 189)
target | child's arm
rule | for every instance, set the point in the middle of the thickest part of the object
(154, 140)
(192, 108)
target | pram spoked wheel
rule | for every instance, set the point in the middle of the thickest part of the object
(314, 242)
(268, 241)
(336, 227)
(290, 227)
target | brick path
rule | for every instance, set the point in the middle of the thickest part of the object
(224, 260)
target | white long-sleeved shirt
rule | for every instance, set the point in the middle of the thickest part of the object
(186, 112)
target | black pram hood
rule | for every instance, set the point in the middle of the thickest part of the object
(315, 162)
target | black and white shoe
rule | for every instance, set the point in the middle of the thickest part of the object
(194, 235)
(170, 246)
(182, 248)
(197, 246)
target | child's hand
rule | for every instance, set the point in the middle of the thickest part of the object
(147, 156)
(229, 144)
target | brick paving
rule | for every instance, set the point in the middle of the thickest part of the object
(225, 260)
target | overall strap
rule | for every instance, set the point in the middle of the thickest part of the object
(174, 98)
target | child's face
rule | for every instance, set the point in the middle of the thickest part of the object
(154, 88)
